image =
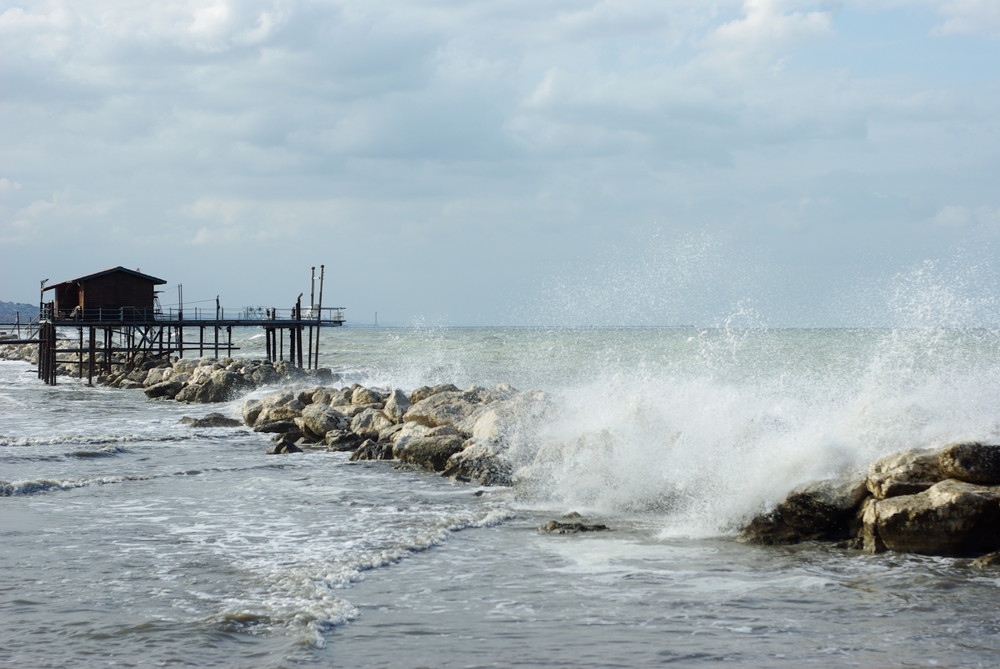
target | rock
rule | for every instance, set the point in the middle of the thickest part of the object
(361, 396)
(480, 462)
(158, 375)
(370, 419)
(211, 420)
(905, 473)
(818, 511)
(164, 389)
(396, 405)
(210, 385)
(373, 450)
(557, 527)
(342, 440)
(949, 518)
(263, 374)
(318, 419)
(277, 406)
(251, 411)
(769, 529)
(431, 451)
(283, 447)
(971, 462)
(424, 392)
(341, 398)
(987, 561)
(443, 408)
(277, 427)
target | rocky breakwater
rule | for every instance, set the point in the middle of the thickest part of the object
(206, 380)
(465, 434)
(926, 501)
(196, 380)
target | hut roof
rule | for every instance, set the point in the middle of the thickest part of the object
(151, 279)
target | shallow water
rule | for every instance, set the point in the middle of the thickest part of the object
(131, 540)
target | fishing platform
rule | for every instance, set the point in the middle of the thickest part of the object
(119, 323)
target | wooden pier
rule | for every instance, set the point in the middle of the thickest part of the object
(127, 337)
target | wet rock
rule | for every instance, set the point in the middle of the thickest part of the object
(211, 420)
(949, 518)
(251, 411)
(277, 427)
(370, 419)
(571, 527)
(430, 451)
(164, 389)
(396, 405)
(284, 447)
(479, 462)
(971, 462)
(818, 511)
(318, 419)
(341, 440)
(988, 561)
(443, 408)
(373, 450)
(362, 396)
(424, 392)
(905, 473)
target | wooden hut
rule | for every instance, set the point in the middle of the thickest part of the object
(116, 294)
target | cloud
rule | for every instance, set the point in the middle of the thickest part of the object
(767, 29)
(970, 17)
(500, 140)
(964, 218)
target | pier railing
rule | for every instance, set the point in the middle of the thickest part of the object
(249, 315)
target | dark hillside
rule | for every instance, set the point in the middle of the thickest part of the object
(10, 310)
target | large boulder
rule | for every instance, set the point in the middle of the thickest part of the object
(396, 405)
(444, 408)
(164, 389)
(318, 419)
(480, 462)
(971, 462)
(949, 518)
(371, 449)
(818, 511)
(211, 420)
(423, 392)
(430, 451)
(905, 473)
(361, 396)
(370, 420)
(278, 406)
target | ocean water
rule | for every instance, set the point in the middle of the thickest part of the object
(130, 540)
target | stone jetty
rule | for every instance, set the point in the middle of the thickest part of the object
(458, 433)
(927, 501)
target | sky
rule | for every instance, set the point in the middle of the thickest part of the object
(512, 162)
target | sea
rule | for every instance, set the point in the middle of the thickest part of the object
(129, 539)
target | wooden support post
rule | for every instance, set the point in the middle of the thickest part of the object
(79, 355)
(298, 331)
(93, 356)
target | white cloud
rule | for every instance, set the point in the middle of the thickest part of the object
(970, 17)
(540, 126)
(964, 218)
(8, 186)
(767, 29)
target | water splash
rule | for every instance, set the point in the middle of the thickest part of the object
(724, 421)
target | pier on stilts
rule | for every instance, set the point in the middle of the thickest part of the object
(111, 320)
